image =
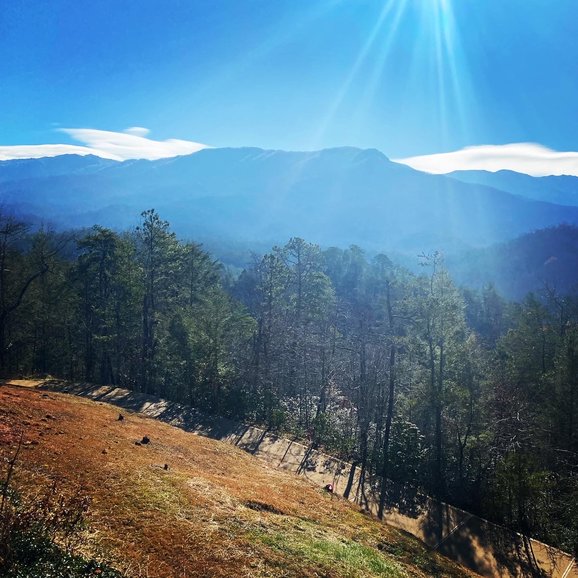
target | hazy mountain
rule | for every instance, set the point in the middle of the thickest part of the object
(545, 259)
(562, 190)
(248, 195)
(22, 169)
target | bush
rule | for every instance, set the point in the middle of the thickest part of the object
(41, 534)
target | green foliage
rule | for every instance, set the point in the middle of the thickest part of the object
(407, 452)
(38, 557)
(42, 535)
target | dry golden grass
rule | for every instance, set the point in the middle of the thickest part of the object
(215, 512)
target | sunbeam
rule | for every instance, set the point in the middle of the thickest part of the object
(452, 73)
(418, 43)
(390, 15)
(381, 58)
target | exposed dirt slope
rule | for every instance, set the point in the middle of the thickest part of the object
(216, 511)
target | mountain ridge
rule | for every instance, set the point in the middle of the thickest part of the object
(336, 196)
(559, 189)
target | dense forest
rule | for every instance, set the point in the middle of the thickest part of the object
(458, 392)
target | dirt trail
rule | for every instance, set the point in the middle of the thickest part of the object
(486, 548)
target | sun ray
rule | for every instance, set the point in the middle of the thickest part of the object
(389, 14)
(386, 43)
(456, 79)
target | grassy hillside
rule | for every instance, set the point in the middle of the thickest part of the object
(184, 506)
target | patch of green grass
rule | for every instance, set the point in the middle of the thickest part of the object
(407, 550)
(154, 491)
(314, 546)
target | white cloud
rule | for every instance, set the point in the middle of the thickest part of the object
(120, 146)
(137, 130)
(530, 158)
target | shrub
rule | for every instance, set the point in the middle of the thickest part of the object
(41, 534)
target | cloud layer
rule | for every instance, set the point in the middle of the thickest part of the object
(129, 144)
(530, 158)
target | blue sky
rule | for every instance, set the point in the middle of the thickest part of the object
(409, 77)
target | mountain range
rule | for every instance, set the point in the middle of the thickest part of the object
(562, 190)
(255, 198)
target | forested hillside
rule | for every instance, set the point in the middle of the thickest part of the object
(460, 393)
(544, 261)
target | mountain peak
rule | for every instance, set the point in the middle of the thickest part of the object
(371, 154)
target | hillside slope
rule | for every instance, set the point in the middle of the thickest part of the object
(543, 259)
(216, 511)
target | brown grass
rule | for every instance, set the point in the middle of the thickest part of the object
(215, 512)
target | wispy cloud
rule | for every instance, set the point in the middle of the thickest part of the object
(129, 144)
(137, 131)
(530, 158)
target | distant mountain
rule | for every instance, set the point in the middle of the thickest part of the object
(23, 169)
(253, 196)
(533, 262)
(562, 190)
